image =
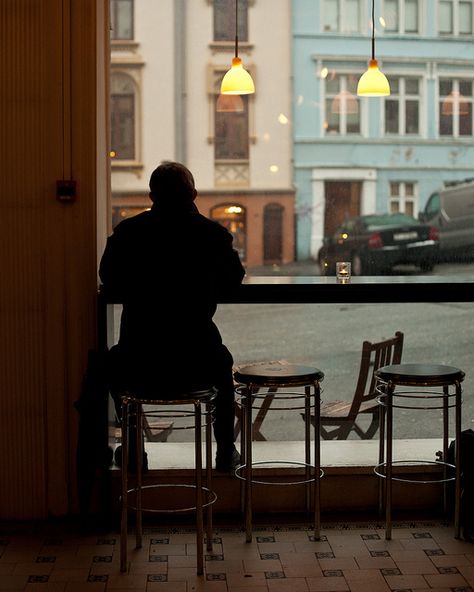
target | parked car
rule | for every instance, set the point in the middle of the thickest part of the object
(451, 211)
(376, 243)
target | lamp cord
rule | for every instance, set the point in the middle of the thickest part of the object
(373, 29)
(236, 30)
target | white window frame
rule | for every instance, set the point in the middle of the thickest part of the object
(133, 74)
(455, 32)
(343, 116)
(456, 101)
(401, 19)
(340, 12)
(402, 97)
(402, 198)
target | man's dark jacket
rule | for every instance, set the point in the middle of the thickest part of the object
(169, 267)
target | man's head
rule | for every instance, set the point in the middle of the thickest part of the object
(172, 182)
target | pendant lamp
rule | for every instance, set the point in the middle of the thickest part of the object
(373, 83)
(237, 81)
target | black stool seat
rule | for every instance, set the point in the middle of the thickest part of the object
(275, 374)
(420, 374)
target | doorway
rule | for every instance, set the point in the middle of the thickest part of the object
(272, 234)
(342, 201)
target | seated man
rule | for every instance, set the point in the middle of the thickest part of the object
(169, 266)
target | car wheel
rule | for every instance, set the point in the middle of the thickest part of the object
(357, 266)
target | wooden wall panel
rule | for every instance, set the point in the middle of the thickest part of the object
(47, 249)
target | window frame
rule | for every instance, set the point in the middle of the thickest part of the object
(401, 26)
(456, 20)
(402, 198)
(402, 97)
(342, 133)
(132, 75)
(340, 12)
(455, 135)
(113, 19)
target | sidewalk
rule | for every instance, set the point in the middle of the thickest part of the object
(308, 268)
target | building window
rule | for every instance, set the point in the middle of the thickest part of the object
(224, 20)
(401, 16)
(455, 17)
(402, 109)
(232, 217)
(342, 105)
(341, 16)
(123, 117)
(232, 132)
(121, 19)
(403, 198)
(455, 108)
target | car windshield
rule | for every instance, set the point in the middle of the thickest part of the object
(376, 222)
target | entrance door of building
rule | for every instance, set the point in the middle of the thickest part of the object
(342, 201)
(273, 233)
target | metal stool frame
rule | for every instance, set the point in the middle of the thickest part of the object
(312, 400)
(195, 398)
(389, 400)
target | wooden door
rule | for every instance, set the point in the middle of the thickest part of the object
(342, 201)
(273, 233)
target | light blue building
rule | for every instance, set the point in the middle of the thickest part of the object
(363, 155)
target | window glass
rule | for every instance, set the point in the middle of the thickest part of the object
(465, 18)
(350, 16)
(121, 16)
(391, 15)
(411, 16)
(232, 133)
(412, 118)
(391, 116)
(122, 109)
(445, 15)
(331, 15)
(224, 20)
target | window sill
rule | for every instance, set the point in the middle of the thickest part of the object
(126, 165)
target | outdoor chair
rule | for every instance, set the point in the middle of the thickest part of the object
(340, 417)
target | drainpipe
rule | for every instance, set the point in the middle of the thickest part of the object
(180, 80)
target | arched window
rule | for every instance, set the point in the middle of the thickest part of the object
(232, 217)
(123, 117)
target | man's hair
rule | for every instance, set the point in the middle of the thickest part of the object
(172, 180)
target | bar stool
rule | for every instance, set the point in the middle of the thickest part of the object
(277, 376)
(132, 409)
(420, 377)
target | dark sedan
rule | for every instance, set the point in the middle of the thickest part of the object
(374, 244)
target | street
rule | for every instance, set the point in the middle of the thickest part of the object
(330, 336)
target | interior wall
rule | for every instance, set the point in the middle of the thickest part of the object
(48, 89)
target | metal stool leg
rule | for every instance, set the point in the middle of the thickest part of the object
(124, 525)
(198, 482)
(248, 460)
(381, 456)
(388, 472)
(457, 492)
(307, 446)
(445, 446)
(139, 465)
(317, 461)
(208, 477)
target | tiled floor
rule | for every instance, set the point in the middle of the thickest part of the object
(421, 556)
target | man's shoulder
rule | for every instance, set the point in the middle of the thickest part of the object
(133, 223)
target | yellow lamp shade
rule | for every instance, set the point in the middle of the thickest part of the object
(373, 83)
(237, 81)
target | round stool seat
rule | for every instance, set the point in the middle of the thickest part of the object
(420, 374)
(278, 374)
(175, 398)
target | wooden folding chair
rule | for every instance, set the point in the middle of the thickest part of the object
(341, 416)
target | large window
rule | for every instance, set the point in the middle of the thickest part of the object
(121, 19)
(402, 109)
(403, 197)
(401, 16)
(455, 17)
(232, 129)
(342, 105)
(341, 16)
(224, 20)
(455, 108)
(123, 119)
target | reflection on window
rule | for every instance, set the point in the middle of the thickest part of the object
(232, 132)
(342, 16)
(455, 17)
(403, 198)
(121, 19)
(455, 107)
(224, 20)
(401, 16)
(402, 109)
(232, 217)
(342, 105)
(122, 110)
(119, 214)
